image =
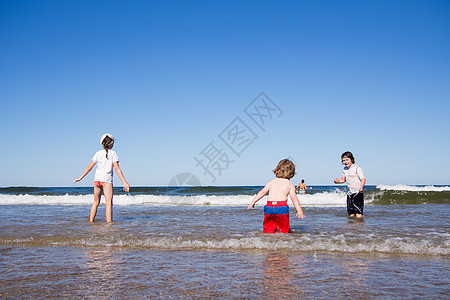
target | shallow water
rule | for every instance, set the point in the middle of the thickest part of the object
(30, 272)
(48, 249)
(389, 229)
(397, 251)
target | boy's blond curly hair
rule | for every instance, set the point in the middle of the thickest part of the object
(285, 169)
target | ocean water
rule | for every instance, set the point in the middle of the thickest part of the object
(202, 242)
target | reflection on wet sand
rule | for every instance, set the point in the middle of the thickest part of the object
(278, 277)
(103, 265)
(100, 278)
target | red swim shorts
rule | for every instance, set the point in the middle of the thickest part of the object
(98, 183)
(276, 214)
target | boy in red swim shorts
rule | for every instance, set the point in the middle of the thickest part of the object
(276, 211)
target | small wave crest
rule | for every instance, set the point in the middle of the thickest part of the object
(381, 195)
(413, 188)
(407, 194)
(336, 198)
(259, 241)
(125, 200)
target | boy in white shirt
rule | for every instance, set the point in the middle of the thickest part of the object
(354, 176)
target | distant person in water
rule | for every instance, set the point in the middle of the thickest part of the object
(354, 176)
(276, 211)
(301, 187)
(103, 180)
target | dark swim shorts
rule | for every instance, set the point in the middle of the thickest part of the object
(355, 203)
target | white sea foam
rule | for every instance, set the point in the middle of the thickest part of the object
(336, 198)
(304, 243)
(125, 200)
(413, 188)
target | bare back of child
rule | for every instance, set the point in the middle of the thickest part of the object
(279, 189)
(276, 211)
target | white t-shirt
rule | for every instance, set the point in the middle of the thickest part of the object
(353, 176)
(104, 170)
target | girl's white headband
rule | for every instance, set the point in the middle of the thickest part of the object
(106, 135)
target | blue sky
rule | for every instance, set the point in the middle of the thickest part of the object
(169, 78)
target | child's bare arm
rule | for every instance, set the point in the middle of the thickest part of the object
(294, 199)
(258, 196)
(363, 182)
(341, 180)
(126, 186)
(86, 171)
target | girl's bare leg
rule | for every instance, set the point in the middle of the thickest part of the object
(97, 195)
(108, 193)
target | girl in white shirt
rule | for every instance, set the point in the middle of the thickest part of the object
(103, 180)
